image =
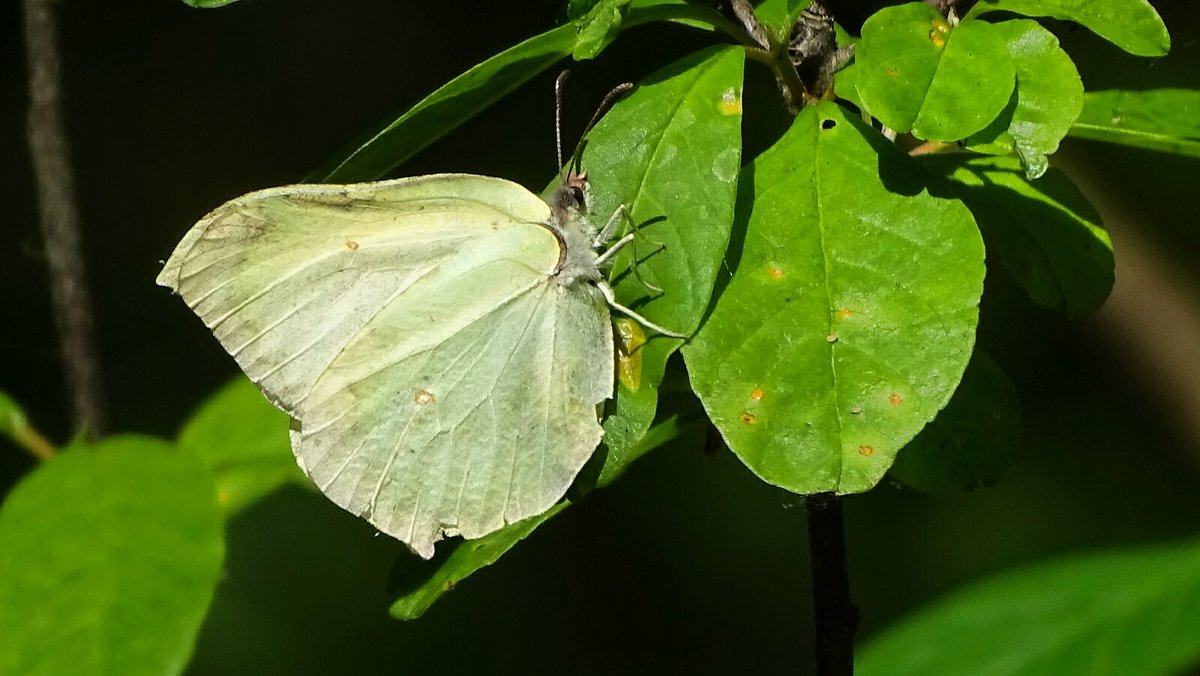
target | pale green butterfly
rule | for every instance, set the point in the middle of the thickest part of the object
(442, 343)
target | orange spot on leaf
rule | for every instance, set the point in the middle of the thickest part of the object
(866, 451)
(895, 399)
(749, 418)
(845, 313)
(424, 397)
(775, 272)
(892, 72)
(756, 394)
(351, 245)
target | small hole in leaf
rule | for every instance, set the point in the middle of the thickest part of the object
(828, 124)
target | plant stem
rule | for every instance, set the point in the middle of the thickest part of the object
(836, 616)
(59, 216)
(31, 440)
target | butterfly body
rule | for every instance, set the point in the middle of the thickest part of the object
(441, 342)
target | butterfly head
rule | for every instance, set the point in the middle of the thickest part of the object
(570, 200)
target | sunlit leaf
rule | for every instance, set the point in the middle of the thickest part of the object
(670, 152)
(1048, 98)
(109, 555)
(918, 73)
(851, 312)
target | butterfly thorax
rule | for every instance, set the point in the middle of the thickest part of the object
(570, 224)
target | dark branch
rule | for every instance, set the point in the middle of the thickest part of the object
(59, 217)
(836, 616)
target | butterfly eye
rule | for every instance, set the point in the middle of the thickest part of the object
(578, 195)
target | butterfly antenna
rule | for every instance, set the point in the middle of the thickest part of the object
(558, 98)
(609, 99)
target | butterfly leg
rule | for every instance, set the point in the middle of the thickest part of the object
(611, 299)
(622, 213)
(609, 228)
(612, 250)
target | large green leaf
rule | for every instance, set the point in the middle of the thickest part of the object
(917, 73)
(972, 442)
(1047, 100)
(851, 312)
(1132, 25)
(670, 152)
(109, 555)
(1158, 119)
(1047, 232)
(418, 584)
(243, 440)
(1134, 611)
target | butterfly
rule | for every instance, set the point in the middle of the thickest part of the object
(442, 343)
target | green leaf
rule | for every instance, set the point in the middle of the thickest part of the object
(109, 555)
(418, 584)
(917, 73)
(599, 27)
(1048, 98)
(243, 440)
(1048, 234)
(670, 152)
(972, 442)
(451, 105)
(851, 312)
(1157, 119)
(1132, 25)
(1133, 611)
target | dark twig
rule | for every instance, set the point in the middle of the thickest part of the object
(836, 616)
(60, 218)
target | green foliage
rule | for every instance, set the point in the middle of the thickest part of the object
(1047, 233)
(1118, 613)
(670, 153)
(1157, 119)
(1048, 98)
(1132, 25)
(850, 314)
(831, 288)
(109, 555)
(243, 441)
(918, 73)
(599, 27)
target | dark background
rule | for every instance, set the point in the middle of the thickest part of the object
(687, 564)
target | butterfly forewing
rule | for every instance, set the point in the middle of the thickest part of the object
(442, 380)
